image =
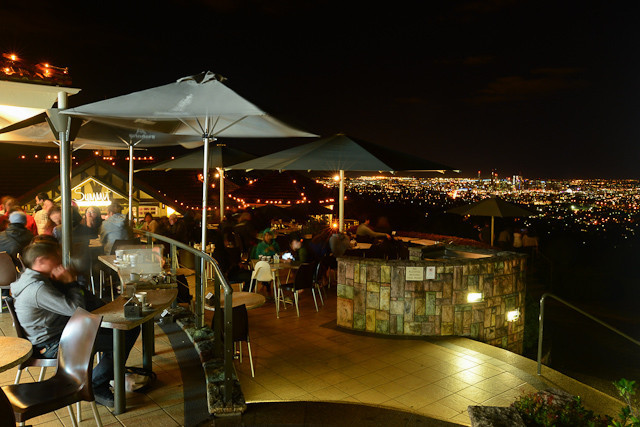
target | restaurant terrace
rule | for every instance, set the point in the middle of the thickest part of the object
(235, 322)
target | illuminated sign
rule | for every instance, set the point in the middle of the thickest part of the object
(90, 199)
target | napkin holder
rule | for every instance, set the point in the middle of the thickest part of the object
(132, 308)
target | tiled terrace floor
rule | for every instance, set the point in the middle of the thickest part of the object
(310, 359)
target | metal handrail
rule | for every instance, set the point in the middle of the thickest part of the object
(222, 349)
(568, 304)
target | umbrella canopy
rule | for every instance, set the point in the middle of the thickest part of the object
(220, 157)
(493, 207)
(91, 135)
(342, 153)
(194, 105)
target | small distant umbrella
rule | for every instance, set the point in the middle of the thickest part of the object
(493, 207)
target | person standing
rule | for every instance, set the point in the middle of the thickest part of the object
(42, 216)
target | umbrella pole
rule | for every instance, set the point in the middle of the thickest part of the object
(341, 203)
(130, 181)
(492, 218)
(203, 272)
(65, 183)
(221, 174)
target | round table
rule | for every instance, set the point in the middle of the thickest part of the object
(13, 351)
(250, 299)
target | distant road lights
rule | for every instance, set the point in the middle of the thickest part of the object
(336, 178)
(513, 315)
(474, 297)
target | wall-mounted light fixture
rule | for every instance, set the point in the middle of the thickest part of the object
(474, 297)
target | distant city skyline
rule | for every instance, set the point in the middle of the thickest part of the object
(546, 89)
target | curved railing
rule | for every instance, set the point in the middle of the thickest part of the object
(223, 350)
(584, 313)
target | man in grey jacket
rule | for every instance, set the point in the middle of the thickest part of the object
(114, 228)
(46, 295)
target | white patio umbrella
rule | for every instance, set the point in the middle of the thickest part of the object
(92, 135)
(199, 105)
(341, 153)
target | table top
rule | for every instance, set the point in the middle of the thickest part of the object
(250, 299)
(282, 265)
(113, 312)
(13, 351)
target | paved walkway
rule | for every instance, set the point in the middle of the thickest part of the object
(310, 359)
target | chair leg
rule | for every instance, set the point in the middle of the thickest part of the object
(250, 357)
(74, 423)
(295, 297)
(101, 282)
(96, 415)
(43, 370)
(276, 293)
(78, 414)
(313, 292)
(111, 283)
(319, 288)
(240, 350)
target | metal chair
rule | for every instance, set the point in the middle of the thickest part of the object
(43, 364)
(303, 280)
(71, 382)
(240, 331)
(262, 273)
(8, 273)
(6, 410)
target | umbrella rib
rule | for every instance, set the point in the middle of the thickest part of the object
(201, 131)
(227, 127)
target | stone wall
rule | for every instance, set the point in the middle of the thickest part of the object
(374, 296)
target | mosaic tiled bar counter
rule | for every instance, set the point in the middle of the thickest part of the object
(432, 296)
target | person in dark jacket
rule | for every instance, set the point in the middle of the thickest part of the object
(16, 237)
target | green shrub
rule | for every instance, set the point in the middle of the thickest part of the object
(547, 409)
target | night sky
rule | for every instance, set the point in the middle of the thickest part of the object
(548, 89)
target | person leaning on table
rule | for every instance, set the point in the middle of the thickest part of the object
(46, 296)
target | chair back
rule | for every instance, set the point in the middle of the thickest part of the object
(16, 324)
(262, 272)
(75, 352)
(240, 322)
(118, 244)
(8, 272)
(187, 259)
(8, 419)
(304, 277)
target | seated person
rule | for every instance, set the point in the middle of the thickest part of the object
(46, 295)
(115, 227)
(339, 244)
(267, 246)
(299, 249)
(366, 233)
(16, 237)
(228, 257)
